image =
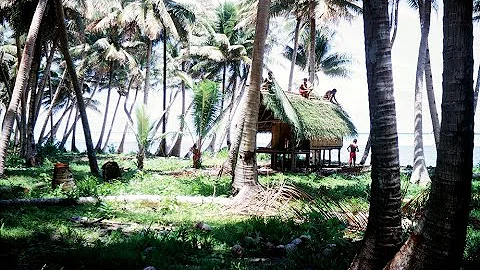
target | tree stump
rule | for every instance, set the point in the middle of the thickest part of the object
(62, 176)
(111, 170)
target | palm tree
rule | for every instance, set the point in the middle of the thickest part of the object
(114, 24)
(330, 63)
(92, 159)
(383, 234)
(143, 134)
(300, 12)
(181, 17)
(245, 178)
(20, 82)
(206, 107)
(328, 11)
(420, 173)
(444, 225)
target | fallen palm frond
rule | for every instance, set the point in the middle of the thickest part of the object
(286, 200)
(413, 208)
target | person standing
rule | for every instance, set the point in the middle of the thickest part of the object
(353, 149)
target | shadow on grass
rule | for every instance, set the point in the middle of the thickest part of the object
(44, 238)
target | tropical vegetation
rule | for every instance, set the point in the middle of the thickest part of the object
(199, 67)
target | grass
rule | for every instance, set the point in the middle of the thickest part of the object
(162, 234)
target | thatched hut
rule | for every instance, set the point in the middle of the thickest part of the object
(308, 127)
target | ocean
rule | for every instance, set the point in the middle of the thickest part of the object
(405, 144)
(405, 148)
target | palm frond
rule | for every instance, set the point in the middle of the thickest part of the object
(278, 102)
(186, 78)
(205, 106)
(144, 126)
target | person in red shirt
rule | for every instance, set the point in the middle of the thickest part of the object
(305, 88)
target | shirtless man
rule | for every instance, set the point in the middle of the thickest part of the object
(353, 149)
(305, 88)
(330, 96)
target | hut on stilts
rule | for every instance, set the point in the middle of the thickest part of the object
(303, 129)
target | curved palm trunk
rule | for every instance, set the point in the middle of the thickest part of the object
(92, 159)
(98, 148)
(104, 148)
(50, 109)
(441, 243)
(128, 112)
(176, 149)
(477, 88)
(420, 173)
(20, 82)
(68, 129)
(28, 145)
(383, 235)
(366, 151)
(294, 54)
(246, 178)
(431, 99)
(73, 146)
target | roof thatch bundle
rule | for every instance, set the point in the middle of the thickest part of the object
(311, 118)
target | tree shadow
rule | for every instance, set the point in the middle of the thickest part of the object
(46, 238)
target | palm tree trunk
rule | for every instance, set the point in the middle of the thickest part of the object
(431, 99)
(29, 140)
(238, 131)
(50, 109)
(177, 147)
(224, 81)
(294, 53)
(73, 146)
(111, 124)
(146, 88)
(311, 54)
(420, 173)
(98, 148)
(92, 159)
(477, 89)
(20, 82)
(162, 148)
(441, 243)
(246, 178)
(394, 21)
(52, 133)
(128, 112)
(366, 152)
(68, 129)
(383, 234)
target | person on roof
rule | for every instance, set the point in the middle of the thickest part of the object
(305, 88)
(330, 96)
(267, 82)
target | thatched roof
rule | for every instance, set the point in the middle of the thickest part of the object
(312, 118)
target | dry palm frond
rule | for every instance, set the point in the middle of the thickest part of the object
(414, 207)
(286, 200)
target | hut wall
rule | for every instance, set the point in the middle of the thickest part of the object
(280, 135)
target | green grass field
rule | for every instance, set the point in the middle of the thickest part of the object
(134, 235)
